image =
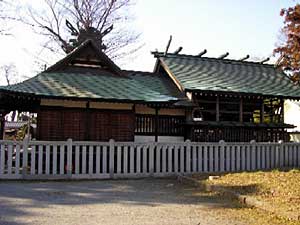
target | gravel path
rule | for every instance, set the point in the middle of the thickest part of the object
(146, 201)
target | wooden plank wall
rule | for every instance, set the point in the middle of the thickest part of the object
(59, 124)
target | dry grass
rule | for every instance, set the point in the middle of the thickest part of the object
(279, 188)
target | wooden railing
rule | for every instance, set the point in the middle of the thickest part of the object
(166, 125)
(100, 160)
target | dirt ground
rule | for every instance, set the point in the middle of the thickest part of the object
(145, 201)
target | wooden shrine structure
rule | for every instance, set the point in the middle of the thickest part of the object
(85, 96)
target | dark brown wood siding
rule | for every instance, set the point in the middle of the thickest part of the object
(50, 125)
(56, 124)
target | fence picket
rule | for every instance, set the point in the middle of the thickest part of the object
(97, 160)
(25, 156)
(176, 147)
(263, 156)
(182, 151)
(248, 157)
(232, 159)
(54, 160)
(200, 163)
(9, 159)
(125, 160)
(104, 160)
(40, 162)
(131, 160)
(48, 159)
(216, 159)
(119, 158)
(268, 158)
(158, 152)
(290, 156)
(164, 159)
(188, 156)
(243, 158)
(222, 157)
(294, 156)
(62, 160)
(238, 158)
(2, 159)
(138, 160)
(286, 155)
(170, 159)
(91, 159)
(205, 159)
(77, 163)
(298, 157)
(211, 158)
(145, 159)
(228, 158)
(83, 160)
(17, 168)
(194, 158)
(253, 157)
(258, 155)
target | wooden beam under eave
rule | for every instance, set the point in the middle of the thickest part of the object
(171, 75)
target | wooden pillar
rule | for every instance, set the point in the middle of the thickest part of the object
(2, 124)
(218, 109)
(156, 124)
(282, 110)
(241, 110)
(271, 114)
(262, 112)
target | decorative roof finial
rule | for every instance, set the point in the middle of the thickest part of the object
(178, 50)
(202, 53)
(265, 60)
(245, 58)
(168, 45)
(223, 56)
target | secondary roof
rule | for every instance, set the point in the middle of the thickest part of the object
(133, 86)
(224, 75)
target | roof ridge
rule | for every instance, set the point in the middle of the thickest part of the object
(161, 54)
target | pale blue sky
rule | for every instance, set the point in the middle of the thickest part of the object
(237, 26)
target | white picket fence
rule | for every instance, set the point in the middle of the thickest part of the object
(102, 160)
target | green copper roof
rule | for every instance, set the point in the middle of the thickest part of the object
(223, 75)
(133, 86)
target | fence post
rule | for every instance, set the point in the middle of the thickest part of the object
(151, 158)
(111, 158)
(222, 155)
(253, 155)
(69, 157)
(188, 156)
(25, 156)
(279, 154)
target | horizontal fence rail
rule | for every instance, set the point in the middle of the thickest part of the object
(101, 160)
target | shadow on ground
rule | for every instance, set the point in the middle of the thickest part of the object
(17, 197)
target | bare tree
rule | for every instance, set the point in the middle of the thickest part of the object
(9, 71)
(67, 23)
(4, 15)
